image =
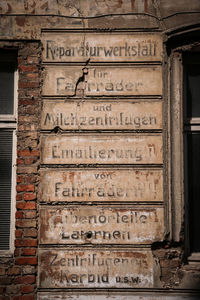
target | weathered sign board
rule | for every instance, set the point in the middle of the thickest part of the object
(101, 225)
(101, 47)
(101, 188)
(103, 115)
(103, 80)
(101, 149)
(104, 185)
(95, 268)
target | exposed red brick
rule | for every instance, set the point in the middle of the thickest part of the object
(26, 279)
(17, 252)
(26, 243)
(30, 178)
(26, 102)
(30, 214)
(24, 297)
(27, 169)
(30, 196)
(25, 223)
(24, 84)
(29, 251)
(5, 280)
(32, 60)
(26, 205)
(28, 297)
(28, 68)
(18, 233)
(19, 215)
(20, 161)
(19, 197)
(14, 271)
(26, 261)
(32, 75)
(2, 271)
(30, 232)
(29, 161)
(26, 289)
(173, 263)
(4, 298)
(17, 298)
(20, 179)
(27, 152)
(25, 188)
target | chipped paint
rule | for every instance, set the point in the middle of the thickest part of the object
(100, 80)
(101, 149)
(101, 47)
(104, 115)
(95, 268)
(101, 225)
(101, 185)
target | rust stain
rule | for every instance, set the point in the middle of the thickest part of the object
(45, 6)
(20, 21)
(120, 3)
(71, 177)
(146, 6)
(33, 5)
(57, 220)
(64, 177)
(133, 5)
(9, 8)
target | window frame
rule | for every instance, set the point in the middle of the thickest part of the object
(8, 122)
(177, 131)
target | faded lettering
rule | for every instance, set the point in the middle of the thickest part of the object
(101, 47)
(101, 225)
(90, 268)
(101, 185)
(89, 115)
(103, 80)
(102, 149)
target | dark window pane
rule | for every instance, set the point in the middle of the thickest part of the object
(5, 187)
(193, 91)
(193, 145)
(192, 85)
(6, 88)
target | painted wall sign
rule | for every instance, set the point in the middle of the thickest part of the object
(101, 185)
(102, 80)
(106, 47)
(101, 149)
(130, 268)
(101, 225)
(92, 115)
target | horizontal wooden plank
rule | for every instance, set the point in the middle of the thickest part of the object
(101, 47)
(115, 296)
(104, 115)
(101, 225)
(103, 80)
(101, 149)
(95, 268)
(101, 185)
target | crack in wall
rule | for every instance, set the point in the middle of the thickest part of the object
(81, 82)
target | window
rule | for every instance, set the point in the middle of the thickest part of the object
(8, 79)
(184, 149)
(191, 129)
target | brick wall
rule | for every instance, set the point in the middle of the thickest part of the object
(18, 273)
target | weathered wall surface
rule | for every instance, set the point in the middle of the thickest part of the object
(105, 14)
(18, 271)
(93, 207)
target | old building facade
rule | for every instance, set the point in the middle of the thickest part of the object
(99, 149)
